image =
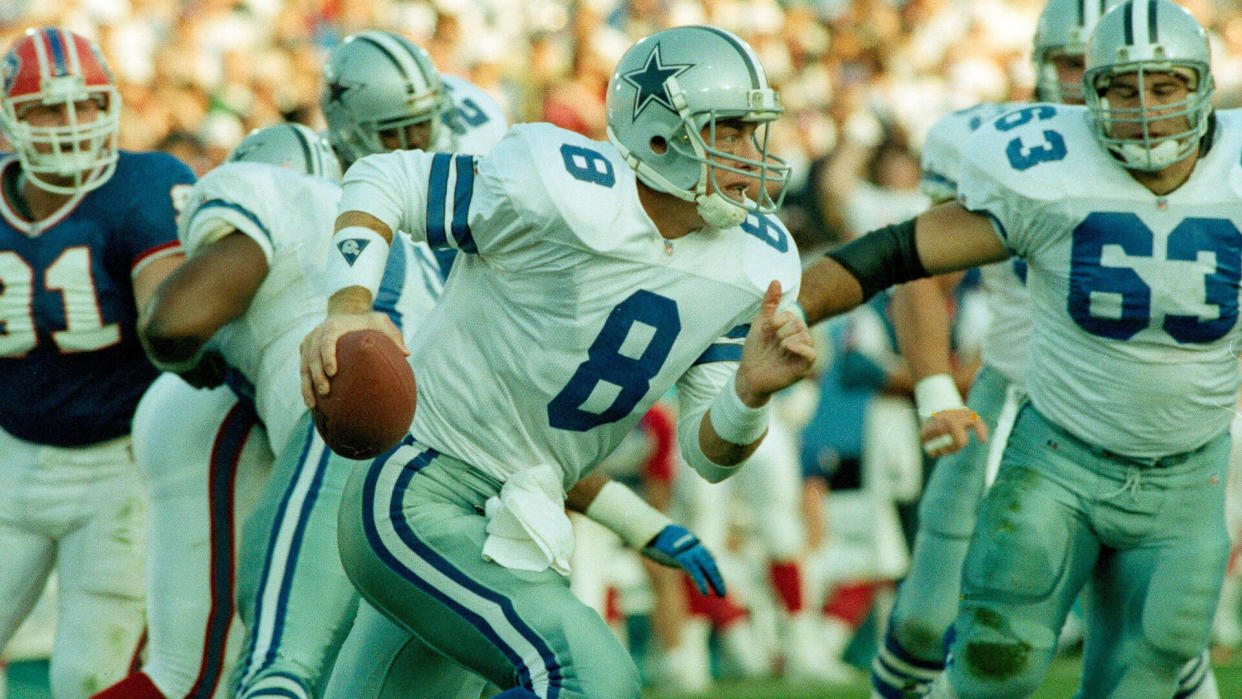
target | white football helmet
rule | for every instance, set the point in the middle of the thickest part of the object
(1063, 29)
(1140, 37)
(672, 85)
(378, 81)
(54, 67)
(290, 145)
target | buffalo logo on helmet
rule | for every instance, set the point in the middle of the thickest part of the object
(12, 66)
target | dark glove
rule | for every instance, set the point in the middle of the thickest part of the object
(678, 547)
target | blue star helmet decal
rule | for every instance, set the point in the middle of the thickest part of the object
(650, 82)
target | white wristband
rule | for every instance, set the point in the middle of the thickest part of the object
(734, 421)
(935, 393)
(361, 257)
(621, 510)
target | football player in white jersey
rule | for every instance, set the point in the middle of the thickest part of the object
(1114, 469)
(250, 287)
(593, 276)
(913, 652)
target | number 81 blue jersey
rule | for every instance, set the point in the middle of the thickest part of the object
(1134, 295)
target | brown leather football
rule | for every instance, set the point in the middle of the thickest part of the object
(370, 401)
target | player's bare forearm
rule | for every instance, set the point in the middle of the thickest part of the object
(827, 290)
(720, 451)
(580, 497)
(199, 297)
(920, 315)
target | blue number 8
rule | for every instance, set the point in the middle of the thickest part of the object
(1186, 241)
(606, 363)
(588, 165)
(766, 230)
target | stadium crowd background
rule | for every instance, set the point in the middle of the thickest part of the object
(196, 75)
(857, 77)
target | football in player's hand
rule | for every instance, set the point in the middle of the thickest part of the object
(370, 401)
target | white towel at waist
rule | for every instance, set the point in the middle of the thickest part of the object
(527, 528)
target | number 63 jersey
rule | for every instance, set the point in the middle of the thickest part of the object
(568, 314)
(1134, 295)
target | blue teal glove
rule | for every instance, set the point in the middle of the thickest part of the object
(678, 547)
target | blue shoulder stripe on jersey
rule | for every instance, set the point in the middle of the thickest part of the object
(720, 352)
(934, 178)
(437, 190)
(463, 192)
(392, 284)
(739, 331)
(222, 204)
(59, 65)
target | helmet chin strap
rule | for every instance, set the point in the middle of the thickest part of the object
(719, 211)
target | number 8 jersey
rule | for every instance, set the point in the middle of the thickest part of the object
(568, 315)
(1134, 295)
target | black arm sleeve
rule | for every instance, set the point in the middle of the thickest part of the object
(882, 258)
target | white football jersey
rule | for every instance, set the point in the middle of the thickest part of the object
(1134, 295)
(1004, 283)
(568, 314)
(475, 123)
(290, 217)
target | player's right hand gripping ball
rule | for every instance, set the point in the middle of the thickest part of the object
(370, 400)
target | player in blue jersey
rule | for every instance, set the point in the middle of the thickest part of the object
(1126, 212)
(591, 277)
(86, 234)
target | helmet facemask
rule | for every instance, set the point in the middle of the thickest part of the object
(1049, 87)
(361, 138)
(1149, 152)
(687, 142)
(77, 154)
(377, 82)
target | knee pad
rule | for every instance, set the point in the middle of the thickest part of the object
(994, 655)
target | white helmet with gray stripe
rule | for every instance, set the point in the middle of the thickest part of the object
(672, 85)
(294, 146)
(378, 81)
(1143, 37)
(1063, 29)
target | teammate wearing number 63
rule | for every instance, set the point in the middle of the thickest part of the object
(590, 278)
(1127, 212)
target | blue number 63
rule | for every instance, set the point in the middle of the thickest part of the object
(1023, 158)
(1186, 241)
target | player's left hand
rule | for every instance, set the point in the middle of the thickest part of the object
(678, 547)
(778, 351)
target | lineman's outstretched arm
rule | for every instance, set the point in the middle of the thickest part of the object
(198, 298)
(946, 238)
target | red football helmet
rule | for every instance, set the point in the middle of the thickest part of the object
(58, 68)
